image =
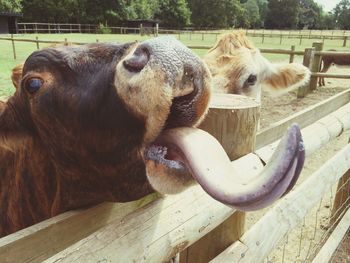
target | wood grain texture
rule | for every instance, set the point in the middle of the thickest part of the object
(307, 62)
(153, 233)
(303, 118)
(317, 134)
(43, 240)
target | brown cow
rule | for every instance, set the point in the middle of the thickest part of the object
(238, 67)
(112, 122)
(328, 60)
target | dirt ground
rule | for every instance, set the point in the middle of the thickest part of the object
(304, 240)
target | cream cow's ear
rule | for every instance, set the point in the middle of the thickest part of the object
(16, 75)
(283, 78)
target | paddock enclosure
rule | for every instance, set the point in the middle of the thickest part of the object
(310, 224)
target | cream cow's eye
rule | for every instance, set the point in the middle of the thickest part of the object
(251, 80)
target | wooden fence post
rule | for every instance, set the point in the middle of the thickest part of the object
(315, 67)
(37, 43)
(235, 125)
(301, 39)
(141, 30)
(36, 28)
(157, 29)
(307, 62)
(291, 56)
(344, 42)
(13, 47)
(262, 39)
(280, 38)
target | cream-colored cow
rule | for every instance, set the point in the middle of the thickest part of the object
(238, 67)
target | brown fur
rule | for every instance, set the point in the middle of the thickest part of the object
(234, 60)
(329, 60)
(16, 75)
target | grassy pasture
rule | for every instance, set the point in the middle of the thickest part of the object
(23, 49)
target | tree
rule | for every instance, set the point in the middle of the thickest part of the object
(282, 14)
(309, 14)
(252, 13)
(173, 13)
(215, 13)
(13, 6)
(327, 21)
(342, 14)
(143, 9)
(262, 4)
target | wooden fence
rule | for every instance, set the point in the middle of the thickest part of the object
(311, 58)
(263, 33)
(156, 229)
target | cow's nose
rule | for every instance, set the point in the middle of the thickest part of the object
(138, 60)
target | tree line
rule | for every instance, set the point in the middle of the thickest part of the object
(281, 14)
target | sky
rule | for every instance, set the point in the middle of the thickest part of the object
(328, 5)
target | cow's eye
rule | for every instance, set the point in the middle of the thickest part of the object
(251, 80)
(33, 85)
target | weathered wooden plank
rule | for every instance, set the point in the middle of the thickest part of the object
(260, 239)
(154, 233)
(333, 53)
(315, 67)
(317, 134)
(331, 75)
(307, 62)
(40, 241)
(303, 118)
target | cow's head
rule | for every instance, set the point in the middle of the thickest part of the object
(238, 67)
(107, 105)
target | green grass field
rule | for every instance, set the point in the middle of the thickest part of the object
(23, 49)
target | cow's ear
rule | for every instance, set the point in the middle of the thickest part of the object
(14, 123)
(283, 78)
(16, 75)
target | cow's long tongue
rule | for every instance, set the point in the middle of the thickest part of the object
(195, 151)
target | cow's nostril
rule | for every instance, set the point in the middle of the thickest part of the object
(137, 61)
